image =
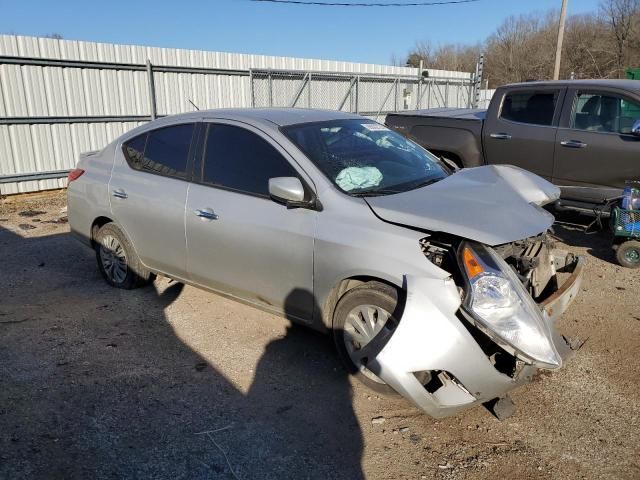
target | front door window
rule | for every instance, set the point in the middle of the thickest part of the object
(596, 112)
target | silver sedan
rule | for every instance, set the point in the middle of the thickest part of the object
(442, 286)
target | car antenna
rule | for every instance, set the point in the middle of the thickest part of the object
(194, 105)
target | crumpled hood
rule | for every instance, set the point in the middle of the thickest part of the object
(493, 205)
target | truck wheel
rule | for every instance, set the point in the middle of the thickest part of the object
(628, 254)
(117, 260)
(360, 315)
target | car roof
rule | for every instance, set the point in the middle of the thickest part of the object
(632, 85)
(278, 116)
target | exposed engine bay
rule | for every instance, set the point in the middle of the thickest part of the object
(535, 260)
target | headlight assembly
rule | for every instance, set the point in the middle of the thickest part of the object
(503, 309)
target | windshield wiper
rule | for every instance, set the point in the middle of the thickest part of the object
(390, 191)
(425, 183)
(375, 192)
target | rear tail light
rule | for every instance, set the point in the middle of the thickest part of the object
(74, 174)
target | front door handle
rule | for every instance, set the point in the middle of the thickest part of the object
(500, 136)
(205, 213)
(573, 144)
(119, 193)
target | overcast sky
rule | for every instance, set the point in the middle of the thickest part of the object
(342, 33)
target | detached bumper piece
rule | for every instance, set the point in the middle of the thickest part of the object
(434, 360)
(556, 304)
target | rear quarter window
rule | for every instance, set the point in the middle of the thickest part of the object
(164, 151)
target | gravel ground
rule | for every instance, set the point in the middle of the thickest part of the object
(103, 383)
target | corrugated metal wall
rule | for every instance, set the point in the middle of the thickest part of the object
(48, 91)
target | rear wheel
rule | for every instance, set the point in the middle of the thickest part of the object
(628, 254)
(361, 315)
(117, 260)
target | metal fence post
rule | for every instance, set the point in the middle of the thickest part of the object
(253, 95)
(152, 91)
(358, 94)
(478, 83)
(446, 94)
(347, 95)
(395, 100)
(419, 94)
(270, 90)
(309, 92)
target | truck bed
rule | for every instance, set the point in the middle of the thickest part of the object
(454, 133)
(458, 113)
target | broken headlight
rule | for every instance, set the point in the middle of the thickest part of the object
(503, 309)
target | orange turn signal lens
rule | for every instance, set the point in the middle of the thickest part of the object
(471, 263)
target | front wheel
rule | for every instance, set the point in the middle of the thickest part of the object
(117, 260)
(628, 254)
(362, 314)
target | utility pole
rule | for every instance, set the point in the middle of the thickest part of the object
(563, 15)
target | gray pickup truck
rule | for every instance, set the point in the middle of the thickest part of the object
(582, 135)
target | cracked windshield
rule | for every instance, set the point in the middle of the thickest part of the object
(366, 158)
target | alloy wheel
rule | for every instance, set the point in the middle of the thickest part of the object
(113, 258)
(362, 325)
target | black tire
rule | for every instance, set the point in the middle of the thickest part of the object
(371, 293)
(117, 260)
(628, 254)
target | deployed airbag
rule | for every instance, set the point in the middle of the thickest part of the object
(352, 178)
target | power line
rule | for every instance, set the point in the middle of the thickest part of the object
(366, 4)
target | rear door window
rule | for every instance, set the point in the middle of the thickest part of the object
(164, 151)
(532, 107)
(599, 112)
(238, 159)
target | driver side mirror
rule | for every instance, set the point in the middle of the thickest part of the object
(289, 190)
(635, 130)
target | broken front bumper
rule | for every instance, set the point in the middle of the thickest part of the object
(431, 340)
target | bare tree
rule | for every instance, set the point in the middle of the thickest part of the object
(622, 16)
(601, 45)
(455, 57)
(522, 49)
(396, 60)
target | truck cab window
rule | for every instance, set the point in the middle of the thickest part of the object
(533, 107)
(604, 113)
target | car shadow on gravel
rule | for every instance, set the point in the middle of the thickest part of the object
(577, 231)
(97, 384)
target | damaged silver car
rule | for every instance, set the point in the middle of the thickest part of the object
(441, 286)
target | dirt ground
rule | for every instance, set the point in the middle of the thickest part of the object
(103, 383)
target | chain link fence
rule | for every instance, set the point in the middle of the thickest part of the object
(370, 95)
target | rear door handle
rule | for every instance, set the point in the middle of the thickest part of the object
(573, 144)
(119, 193)
(500, 136)
(205, 213)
